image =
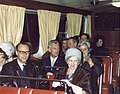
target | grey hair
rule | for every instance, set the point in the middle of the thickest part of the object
(51, 42)
(84, 43)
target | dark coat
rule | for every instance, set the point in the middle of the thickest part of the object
(60, 62)
(81, 78)
(13, 69)
(102, 51)
(96, 71)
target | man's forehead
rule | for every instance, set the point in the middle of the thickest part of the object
(83, 36)
(100, 40)
(23, 46)
(54, 44)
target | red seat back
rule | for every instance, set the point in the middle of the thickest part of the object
(36, 91)
(25, 91)
(115, 57)
(108, 67)
(51, 77)
(14, 90)
(35, 59)
(9, 90)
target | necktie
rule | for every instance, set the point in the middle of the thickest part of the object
(25, 82)
(24, 70)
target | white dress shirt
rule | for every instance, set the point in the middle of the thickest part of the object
(53, 60)
(21, 64)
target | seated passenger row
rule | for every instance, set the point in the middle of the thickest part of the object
(53, 64)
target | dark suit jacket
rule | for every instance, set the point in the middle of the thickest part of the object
(96, 71)
(60, 62)
(13, 69)
(102, 51)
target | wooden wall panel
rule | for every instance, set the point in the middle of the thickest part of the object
(112, 38)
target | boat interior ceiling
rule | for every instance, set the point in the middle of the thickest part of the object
(91, 5)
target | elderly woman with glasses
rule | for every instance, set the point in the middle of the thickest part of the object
(74, 75)
(93, 65)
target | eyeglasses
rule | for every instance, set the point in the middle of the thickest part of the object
(83, 49)
(24, 52)
(2, 55)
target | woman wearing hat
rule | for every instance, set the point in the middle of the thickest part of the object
(76, 77)
(3, 58)
(9, 49)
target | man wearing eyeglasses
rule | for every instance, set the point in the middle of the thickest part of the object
(22, 66)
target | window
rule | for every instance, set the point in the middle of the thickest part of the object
(107, 21)
(31, 31)
(62, 32)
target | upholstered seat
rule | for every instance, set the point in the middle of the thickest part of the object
(115, 80)
(9, 90)
(106, 87)
(14, 90)
(35, 91)
(25, 91)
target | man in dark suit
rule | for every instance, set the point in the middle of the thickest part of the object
(22, 66)
(53, 61)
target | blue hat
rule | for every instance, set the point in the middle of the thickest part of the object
(73, 52)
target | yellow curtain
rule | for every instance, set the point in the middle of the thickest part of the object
(11, 23)
(48, 29)
(88, 25)
(73, 24)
